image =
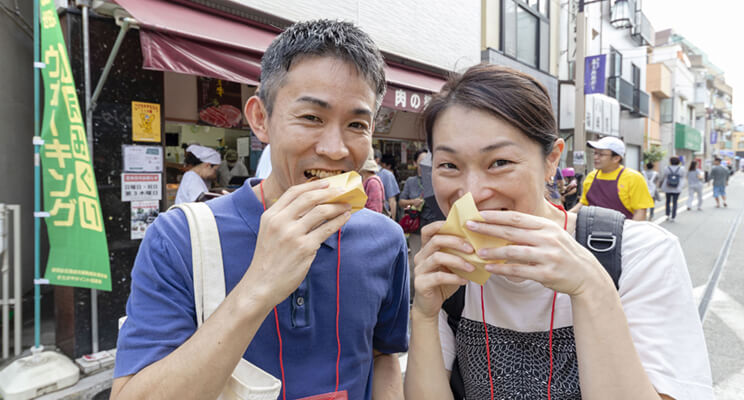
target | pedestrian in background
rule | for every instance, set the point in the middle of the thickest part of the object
(388, 182)
(412, 197)
(694, 185)
(570, 193)
(720, 175)
(612, 185)
(372, 185)
(652, 180)
(671, 185)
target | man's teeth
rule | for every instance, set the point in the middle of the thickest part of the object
(321, 173)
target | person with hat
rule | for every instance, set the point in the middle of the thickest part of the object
(231, 168)
(372, 184)
(204, 162)
(612, 185)
(570, 193)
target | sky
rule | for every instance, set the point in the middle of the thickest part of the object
(714, 26)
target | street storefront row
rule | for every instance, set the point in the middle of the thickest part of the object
(177, 81)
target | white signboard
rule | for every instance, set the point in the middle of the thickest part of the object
(143, 215)
(244, 146)
(579, 158)
(143, 158)
(137, 187)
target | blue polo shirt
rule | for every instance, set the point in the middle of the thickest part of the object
(389, 184)
(373, 303)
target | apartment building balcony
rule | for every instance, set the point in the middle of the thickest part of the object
(722, 105)
(659, 80)
(721, 86)
(631, 98)
(642, 32)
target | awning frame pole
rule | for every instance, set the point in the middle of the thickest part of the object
(126, 23)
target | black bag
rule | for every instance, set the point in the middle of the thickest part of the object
(673, 177)
(598, 229)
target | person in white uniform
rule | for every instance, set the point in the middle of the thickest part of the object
(204, 163)
(549, 322)
(231, 167)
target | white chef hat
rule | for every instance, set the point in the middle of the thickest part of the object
(205, 154)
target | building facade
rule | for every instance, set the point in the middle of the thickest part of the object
(619, 103)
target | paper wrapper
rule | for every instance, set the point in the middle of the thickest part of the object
(462, 211)
(354, 194)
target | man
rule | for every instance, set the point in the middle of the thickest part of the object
(720, 175)
(231, 168)
(321, 84)
(611, 185)
(389, 183)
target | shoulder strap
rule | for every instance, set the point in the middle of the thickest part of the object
(453, 307)
(600, 230)
(206, 259)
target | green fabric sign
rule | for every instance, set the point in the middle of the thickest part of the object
(78, 254)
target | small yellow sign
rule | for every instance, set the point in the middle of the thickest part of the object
(145, 122)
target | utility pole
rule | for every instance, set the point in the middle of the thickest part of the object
(579, 137)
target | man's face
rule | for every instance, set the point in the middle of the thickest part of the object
(605, 159)
(322, 121)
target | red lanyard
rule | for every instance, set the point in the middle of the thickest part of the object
(338, 307)
(550, 333)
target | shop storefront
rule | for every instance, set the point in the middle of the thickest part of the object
(687, 141)
(176, 80)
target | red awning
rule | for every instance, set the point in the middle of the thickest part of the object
(181, 39)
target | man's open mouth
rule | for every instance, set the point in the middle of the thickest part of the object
(313, 174)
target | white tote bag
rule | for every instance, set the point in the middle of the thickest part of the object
(247, 382)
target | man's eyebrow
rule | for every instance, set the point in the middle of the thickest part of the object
(325, 104)
(362, 111)
(314, 100)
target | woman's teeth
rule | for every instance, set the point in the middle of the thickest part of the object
(320, 173)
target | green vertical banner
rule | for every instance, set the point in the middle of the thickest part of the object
(78, 254)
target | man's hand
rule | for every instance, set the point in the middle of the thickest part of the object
(291, 232)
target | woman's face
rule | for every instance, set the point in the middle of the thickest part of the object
(473, 151)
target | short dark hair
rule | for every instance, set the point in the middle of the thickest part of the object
(505, 93)
(419, 152)
(649, 165)
(324, 38)
(388, 159)
(674, 160)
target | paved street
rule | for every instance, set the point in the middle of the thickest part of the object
(703, 235)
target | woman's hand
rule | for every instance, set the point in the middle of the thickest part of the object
(434, 280)
(540, 250)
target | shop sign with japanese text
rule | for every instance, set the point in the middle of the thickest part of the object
(136, 187)
(405, 99)
(78, 254)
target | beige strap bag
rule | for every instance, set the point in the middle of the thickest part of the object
(247, 382)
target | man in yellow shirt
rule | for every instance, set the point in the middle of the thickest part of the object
(611, 185)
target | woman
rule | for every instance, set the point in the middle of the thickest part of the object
(372, 185)
(671, 185)
(204, 163)
(570, 195)
(493, 134)
(694, 185)
(652, 181)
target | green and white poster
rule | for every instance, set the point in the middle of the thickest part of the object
(78, 254)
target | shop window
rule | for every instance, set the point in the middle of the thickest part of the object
(525, 32)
